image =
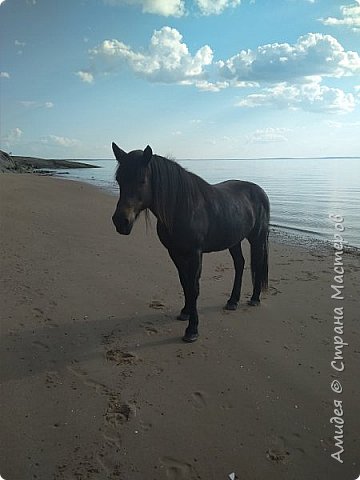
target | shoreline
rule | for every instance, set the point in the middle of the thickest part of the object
(97, 384)
(286, 235)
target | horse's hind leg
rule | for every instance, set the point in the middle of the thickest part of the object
(259, 266)
(239, 262)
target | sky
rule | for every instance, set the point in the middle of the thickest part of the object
(193, 79)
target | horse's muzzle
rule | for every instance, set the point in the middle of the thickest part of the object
(123, 226)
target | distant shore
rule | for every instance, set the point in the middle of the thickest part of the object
(18, 164)
(97, 384)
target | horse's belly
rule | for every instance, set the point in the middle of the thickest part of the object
(223, 241)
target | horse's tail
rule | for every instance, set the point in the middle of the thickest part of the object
(259, 241)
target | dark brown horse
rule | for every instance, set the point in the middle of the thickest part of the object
(194, 217)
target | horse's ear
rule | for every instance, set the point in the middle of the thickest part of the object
(119, 154)
(147, 155)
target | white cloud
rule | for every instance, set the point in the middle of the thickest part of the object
(206, 86)
(268, 135)
(34, 104)
(286, 75)
(166, 60)
(12, 137)
(338, 125)
(312, 97)
(215, 7)
(4, 75)
(175, 8)
(54, 140)
(350, 17)
(313, 54)
(2, 1)
(85, 77)
(21, 45)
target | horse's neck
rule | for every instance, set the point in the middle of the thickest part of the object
(177, 195)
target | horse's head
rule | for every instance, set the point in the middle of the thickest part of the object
(132, 176)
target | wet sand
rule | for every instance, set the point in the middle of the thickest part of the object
(97, 384)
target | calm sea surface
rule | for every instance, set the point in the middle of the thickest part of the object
(302, 192)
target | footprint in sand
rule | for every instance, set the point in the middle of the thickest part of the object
(199, 399)
(307, 276)
(274, 291)
(146, 426)
(82, 374)
(277, 455)
(151, 330)
(283, 448)
(177, 470)
(52, 380)
(97, 386)
(38, 312)
(221, 268)
(217, 277)
(156, 304)
(120, 357)
(43, 345)
(118, 413)
(108, 463)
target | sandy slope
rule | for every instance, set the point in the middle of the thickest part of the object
(97, 384)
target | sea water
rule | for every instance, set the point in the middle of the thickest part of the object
(302, 191)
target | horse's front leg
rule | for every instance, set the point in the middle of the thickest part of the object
(181, 263)
(191, 294)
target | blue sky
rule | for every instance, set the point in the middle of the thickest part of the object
(194, 79)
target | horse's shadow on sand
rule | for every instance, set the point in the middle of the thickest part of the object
(30, 351)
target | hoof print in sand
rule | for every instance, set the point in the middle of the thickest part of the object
(120, 357)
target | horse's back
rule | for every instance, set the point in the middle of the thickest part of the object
(237, 186)
(231, 208)
(242, 191)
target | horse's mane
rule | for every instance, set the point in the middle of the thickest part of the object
(174, 189)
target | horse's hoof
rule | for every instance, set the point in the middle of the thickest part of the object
(190, 338)
(254, 303)
(231, 306)
(183, 317)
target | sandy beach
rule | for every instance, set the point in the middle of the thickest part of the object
(97, 384)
